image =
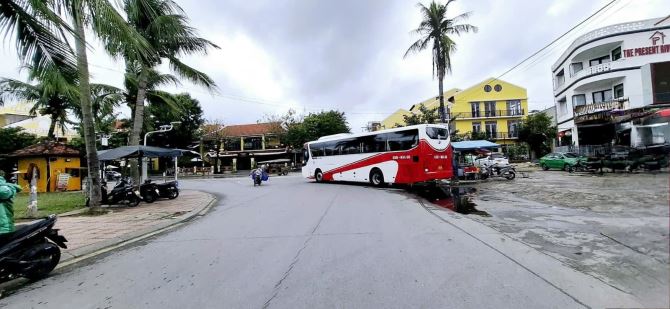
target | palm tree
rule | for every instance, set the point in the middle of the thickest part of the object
(164, 25)
(53, 95)
(437, 28)
(41, 38)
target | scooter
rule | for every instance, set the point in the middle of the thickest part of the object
(257, 179)
(123, 192)
(150, 191)
(32, 251)
(496, 170)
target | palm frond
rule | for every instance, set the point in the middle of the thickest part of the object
(195, 76)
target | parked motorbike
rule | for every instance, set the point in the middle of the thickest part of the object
(123, 192)
(496, 170)
(32, 251)
(150, 191)
(257, 179)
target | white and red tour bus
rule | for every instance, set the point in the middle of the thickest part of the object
(407, 155)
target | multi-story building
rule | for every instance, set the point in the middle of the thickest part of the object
(610, 75)
(492, 109)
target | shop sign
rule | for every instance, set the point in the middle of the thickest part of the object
(658, 46)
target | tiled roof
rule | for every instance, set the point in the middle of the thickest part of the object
(250, 129)
(48, 148)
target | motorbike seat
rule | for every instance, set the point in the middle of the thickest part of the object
(23, 230)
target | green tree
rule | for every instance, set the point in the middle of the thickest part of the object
(536, 131)
(12, 139)
(435, 27)
(163, 24)
(424, 116)
(41, 40)
(315, 125)
(189, 113)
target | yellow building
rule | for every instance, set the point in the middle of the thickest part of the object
(58, 167)
(493, 108)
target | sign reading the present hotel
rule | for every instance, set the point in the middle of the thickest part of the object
(658, 46)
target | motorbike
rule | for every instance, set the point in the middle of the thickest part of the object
(32, 251)
(259, 176)
(150, 191)
(123, 192)
(496, 170)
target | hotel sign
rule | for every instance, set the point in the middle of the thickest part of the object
(658, 46)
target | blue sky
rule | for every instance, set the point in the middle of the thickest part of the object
(347, 55)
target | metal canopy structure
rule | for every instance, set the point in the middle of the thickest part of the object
(137, 152)
(473, 145)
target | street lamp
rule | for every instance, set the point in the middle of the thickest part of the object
(162, 129)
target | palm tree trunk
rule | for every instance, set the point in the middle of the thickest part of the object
(52, 127)
(86, 110)
(443, 115)
(138, 121)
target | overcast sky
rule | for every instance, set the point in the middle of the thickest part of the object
(314, 55)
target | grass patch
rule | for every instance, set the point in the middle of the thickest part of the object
(49, 203)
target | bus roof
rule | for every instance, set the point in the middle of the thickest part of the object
(350, 135)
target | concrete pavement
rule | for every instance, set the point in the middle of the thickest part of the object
(292, 243)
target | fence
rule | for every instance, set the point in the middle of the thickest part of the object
(586, 150)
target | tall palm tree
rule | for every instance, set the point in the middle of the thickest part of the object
(437, 29)
(41, 39)
(164, 25)
(53, 95)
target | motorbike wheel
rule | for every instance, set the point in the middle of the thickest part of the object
(43, 258)
(133, 201)
(510, 175)
(150, 197)
(174, 194)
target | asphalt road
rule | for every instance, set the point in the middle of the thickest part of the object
(297, 244)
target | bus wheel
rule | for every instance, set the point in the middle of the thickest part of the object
(318, 175)
(376, 177)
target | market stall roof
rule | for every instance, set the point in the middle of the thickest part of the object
(472, 145)
(137, 151)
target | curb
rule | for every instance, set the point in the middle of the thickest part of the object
(93, 250)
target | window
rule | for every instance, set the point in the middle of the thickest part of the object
(497, 88)
(602, 96)
(616, 53)
(374, 143)
(402, 140)
(474, 107)
(578, 99)
(490, 108)
(74, 172)
(491, 129)
(560, 78)
(618, 91)
(317, 150)
(513, 128)
(331, 148)
(660, 82)
(476, 127)
(514, 107)
(487, 88)
(437, 133)
(232, 144)
(347, 146)
(562, 107)
(597, 61)
(576, 67)
(253, 143)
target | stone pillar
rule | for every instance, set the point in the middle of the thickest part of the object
(234, 168)
(241, 143)
(263, 141)
(253, 161)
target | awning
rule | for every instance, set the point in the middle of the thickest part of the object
(137, 151)
(276, 161)
(472, 145)
(268, 153)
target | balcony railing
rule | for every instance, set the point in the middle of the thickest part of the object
(588, 71)
(491, 135)
(488, 114)
(621, 103)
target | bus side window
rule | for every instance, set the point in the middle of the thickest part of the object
(374, 143)
(317, 150)
(403, 140)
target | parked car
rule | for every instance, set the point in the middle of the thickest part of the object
(560, 160)
(491, 159)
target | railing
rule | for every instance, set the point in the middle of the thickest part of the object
(488, 114)
(490, 135)
(588, 71)
(621, 103)
(586, 150)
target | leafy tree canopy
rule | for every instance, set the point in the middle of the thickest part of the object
(537, 132)
(300, 130)
(188, 111)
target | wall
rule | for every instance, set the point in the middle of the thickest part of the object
(395, 118)
(58, 166)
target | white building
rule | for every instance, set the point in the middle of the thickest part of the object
(609, 76)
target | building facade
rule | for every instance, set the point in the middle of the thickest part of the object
(492, 109)
(611, 74)
(240, 147)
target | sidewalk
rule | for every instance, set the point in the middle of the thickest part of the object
(89, 234)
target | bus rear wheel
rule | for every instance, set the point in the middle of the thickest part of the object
(318, 175)
(376, 177)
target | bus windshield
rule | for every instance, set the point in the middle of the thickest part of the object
(437, 133)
